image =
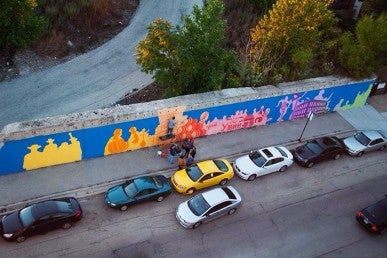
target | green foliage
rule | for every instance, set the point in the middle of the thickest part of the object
(366, 52)
(20, 25)
(191, 58)
(290, 37)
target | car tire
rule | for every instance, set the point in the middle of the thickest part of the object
(160, 198)
(124, 207)
(67, 225)
(190, 191)
(337, 156)
(360, 154)
(223, 182)
(252, 177)
(382, 148)
(232, 211)
(283, 168)
(310, 164)
(20, 239)
(196, 225)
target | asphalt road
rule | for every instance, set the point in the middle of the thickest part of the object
(299, 213)
(94, 80)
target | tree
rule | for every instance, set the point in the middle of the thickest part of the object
(366, 51)
(191, 58)
(285, 41)
(20, 25)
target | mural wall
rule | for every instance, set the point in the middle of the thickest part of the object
(48, 150)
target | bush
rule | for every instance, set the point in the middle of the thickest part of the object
(20, 25)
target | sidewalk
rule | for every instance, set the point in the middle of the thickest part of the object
(95, 176)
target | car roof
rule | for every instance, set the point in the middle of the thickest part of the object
(215, 196)
(207, 166)
(144, 182)
(50, 207)
(372, 135)
(327, 141)
(271, 152)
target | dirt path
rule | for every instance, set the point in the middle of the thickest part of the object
(94, 80)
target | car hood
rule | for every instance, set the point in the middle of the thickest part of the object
(246, 165)
(186, 214)
(11, 223)
(304, 152)
(353, 144)
(117, 195)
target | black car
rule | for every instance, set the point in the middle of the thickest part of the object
(329, 147)
(39, 218)
(374, 217)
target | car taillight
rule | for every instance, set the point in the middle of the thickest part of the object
(78, 214)
(359, 213)
(374, 228)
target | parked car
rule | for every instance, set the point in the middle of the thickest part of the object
(374, 217)
(263, 161)
(39, 218)
(201, 175)
(364, 141)
(207, 206)
(317, 150)
(138, 190)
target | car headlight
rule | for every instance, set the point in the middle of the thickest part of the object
(113, 204)
(7, 235)
(180, 186)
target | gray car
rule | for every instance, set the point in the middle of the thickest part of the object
(364, 141)
(207, 206)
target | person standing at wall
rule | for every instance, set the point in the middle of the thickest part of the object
(181, 162)
(172, 153)
(171, 125)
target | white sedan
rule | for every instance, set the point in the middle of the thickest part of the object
(263, 161)
(365, 141)
(207, 206)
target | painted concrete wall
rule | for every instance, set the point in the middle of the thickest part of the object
(40, 143)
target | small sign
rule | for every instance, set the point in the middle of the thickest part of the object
(310, 116)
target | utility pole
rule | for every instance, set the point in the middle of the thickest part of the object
(310, 117)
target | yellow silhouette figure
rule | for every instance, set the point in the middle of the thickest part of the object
(52, 154)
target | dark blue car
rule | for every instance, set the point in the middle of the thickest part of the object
(138, 190)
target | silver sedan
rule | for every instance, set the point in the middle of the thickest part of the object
(364, 141)
(207, 206)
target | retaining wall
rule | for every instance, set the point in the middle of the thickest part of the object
(28, 145)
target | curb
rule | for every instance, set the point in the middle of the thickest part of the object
(93, 190)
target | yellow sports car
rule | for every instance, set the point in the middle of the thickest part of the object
(201, 175)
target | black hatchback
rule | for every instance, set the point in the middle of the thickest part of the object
(39, 218)
(374, 217)
(317, 150)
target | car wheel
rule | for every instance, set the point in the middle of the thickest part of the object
(232, 211)
(383, 147)
(160, 198)
(191, 191)
(124, 207)
(223, 182)
(20, 239)
(337, 156)
(196, 225)
(252, 177)
(283, 168)
(310, 164)
(360, 154)
(67, 225)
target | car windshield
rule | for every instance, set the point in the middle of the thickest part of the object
(131, 189)
(194, 173)
(26, 216)
(198, 205)
(360, 137)
(314, 147)
(257, 158)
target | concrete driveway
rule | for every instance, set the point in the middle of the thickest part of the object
(94, 80)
